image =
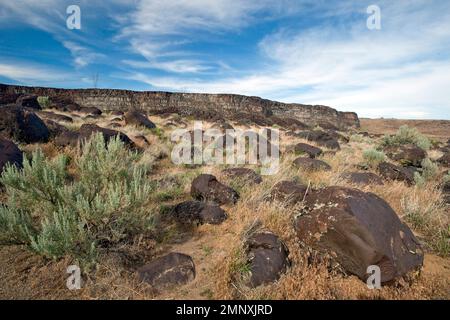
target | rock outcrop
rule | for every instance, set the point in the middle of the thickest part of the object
(202, 106)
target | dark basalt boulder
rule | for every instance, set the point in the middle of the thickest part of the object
(87, 130)
(288, 192)
(138, 119)
(408, 155)
(198, 212)
(267, 258)
(117, 113)
(22, 125)
(9, 153)
(363, 178)
(28, 101)
(206, 188)
(309, 164)
(93, 111)
(63, 103)
(67, 138)
(55, 116)
(326, 125)
(167, 271)
(322, 138)
(358, 230)
(311, 151)
(390, 171)
(338, 136)
(289, 123)
(246, 174)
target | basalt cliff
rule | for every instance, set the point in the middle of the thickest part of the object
(200, 106)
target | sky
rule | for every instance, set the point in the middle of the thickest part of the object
(299, 51)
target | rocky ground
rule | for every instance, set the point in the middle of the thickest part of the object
(336, 206)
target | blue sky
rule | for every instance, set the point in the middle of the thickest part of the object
(315, 52)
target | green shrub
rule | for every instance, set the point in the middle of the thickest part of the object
(429, 172)
(373, 158)
(57, 214)
(406, 135)
(44, 102)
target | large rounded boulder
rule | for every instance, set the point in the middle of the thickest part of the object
(206, 188)
(408, 155)
(168, 271)
(267, 258)
(138, 119)
(22, 125)
(359, 230)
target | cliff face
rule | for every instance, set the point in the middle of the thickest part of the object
(228, 106)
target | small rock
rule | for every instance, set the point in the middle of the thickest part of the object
(246, 174)
(364, 178)
(198, 212)
(311, 151)
(309, 164)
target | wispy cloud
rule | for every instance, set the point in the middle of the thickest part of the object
(31, 73)
(82, 56)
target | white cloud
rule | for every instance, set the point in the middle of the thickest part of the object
(30, 73)
(82, 55)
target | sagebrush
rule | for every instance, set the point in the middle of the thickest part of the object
(77, 206)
